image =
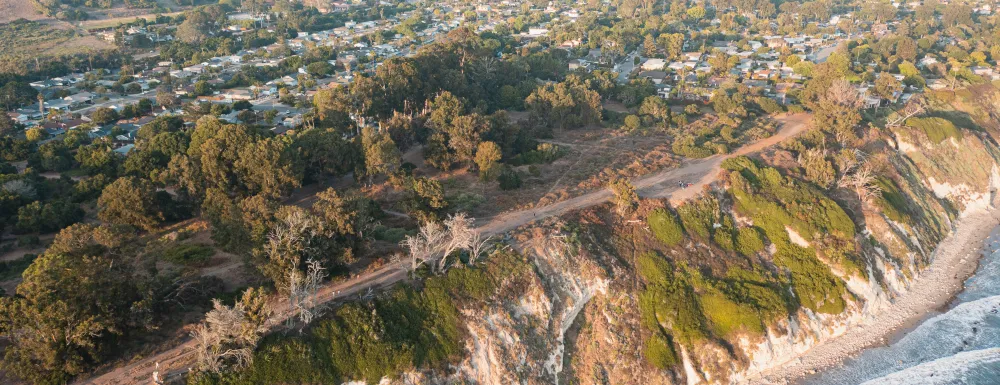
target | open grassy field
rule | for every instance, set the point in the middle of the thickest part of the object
(37, 38)
(22, 41)
(11, 10)
(114, 21)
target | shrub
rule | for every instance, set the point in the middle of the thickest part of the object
(543, 153)
(748, 241)
(688, 146)
(936, 129)
(28, 241)
(48, 217)
(189, 254)
(816, 287)
(392, 235)
(670, 300)
(728, 317)
(776, 202)
(465, 202)
(509, 179)
(759, 289)
(891, 202)
(665, 227)
(700, 216)
(769, 106)
(724, 234)
(660, 353)
(631, 123)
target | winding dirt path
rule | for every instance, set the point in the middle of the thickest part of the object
(177, 360)
(663, 184)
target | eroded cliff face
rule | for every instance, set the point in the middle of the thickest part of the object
(575, 317)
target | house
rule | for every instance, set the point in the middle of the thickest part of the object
(537, 32)
(125, 150)
(230, 117)
(926, 61)
(986, 72)
(653, 64)
(776, 43)
(579, 64)
(293, 121)
(781, 91)
(54, 128)
(692, 56)
(80, 99)
(880, 30)
(26, 115)
(664, 91)
(657, 77)
(676, 66)
(758, 84)
(570, 44)
(237, 94)
(872, 101)
(181, 74)
(195, 69)
(937, 84)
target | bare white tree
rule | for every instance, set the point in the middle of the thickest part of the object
(843, 94)
(478, 245)
(908, 111)
(229, 335)
(303, 292)
(863, 182)
(459, 236)
(424, 246)
(435, 243)
(19, 187)
(291, 241)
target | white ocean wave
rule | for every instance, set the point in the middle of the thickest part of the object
(972, 367)
(973, 325)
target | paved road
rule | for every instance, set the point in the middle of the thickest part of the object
(177, 360)
(125, 100)
(626, 66)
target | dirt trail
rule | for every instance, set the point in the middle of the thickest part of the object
(177, 360)
(664, 184)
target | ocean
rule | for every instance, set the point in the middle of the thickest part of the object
(959, 346)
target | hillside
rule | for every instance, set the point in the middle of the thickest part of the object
(759, 267)
(11, 10)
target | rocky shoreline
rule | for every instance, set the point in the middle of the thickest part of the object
(955, 259)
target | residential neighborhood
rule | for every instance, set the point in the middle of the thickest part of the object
(402, 192)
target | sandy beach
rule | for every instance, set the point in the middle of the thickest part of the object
(955, 259)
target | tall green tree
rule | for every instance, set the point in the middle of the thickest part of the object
(130, 201)
(69, 313)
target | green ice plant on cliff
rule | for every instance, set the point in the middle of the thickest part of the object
(404, 329)
(665, 227)
(777, 203)
(936, 129)
(680, 306)
(743, 289)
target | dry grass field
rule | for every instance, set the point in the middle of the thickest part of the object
(11, 10)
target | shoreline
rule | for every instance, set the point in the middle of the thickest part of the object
(955, 259)
(903, 330)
